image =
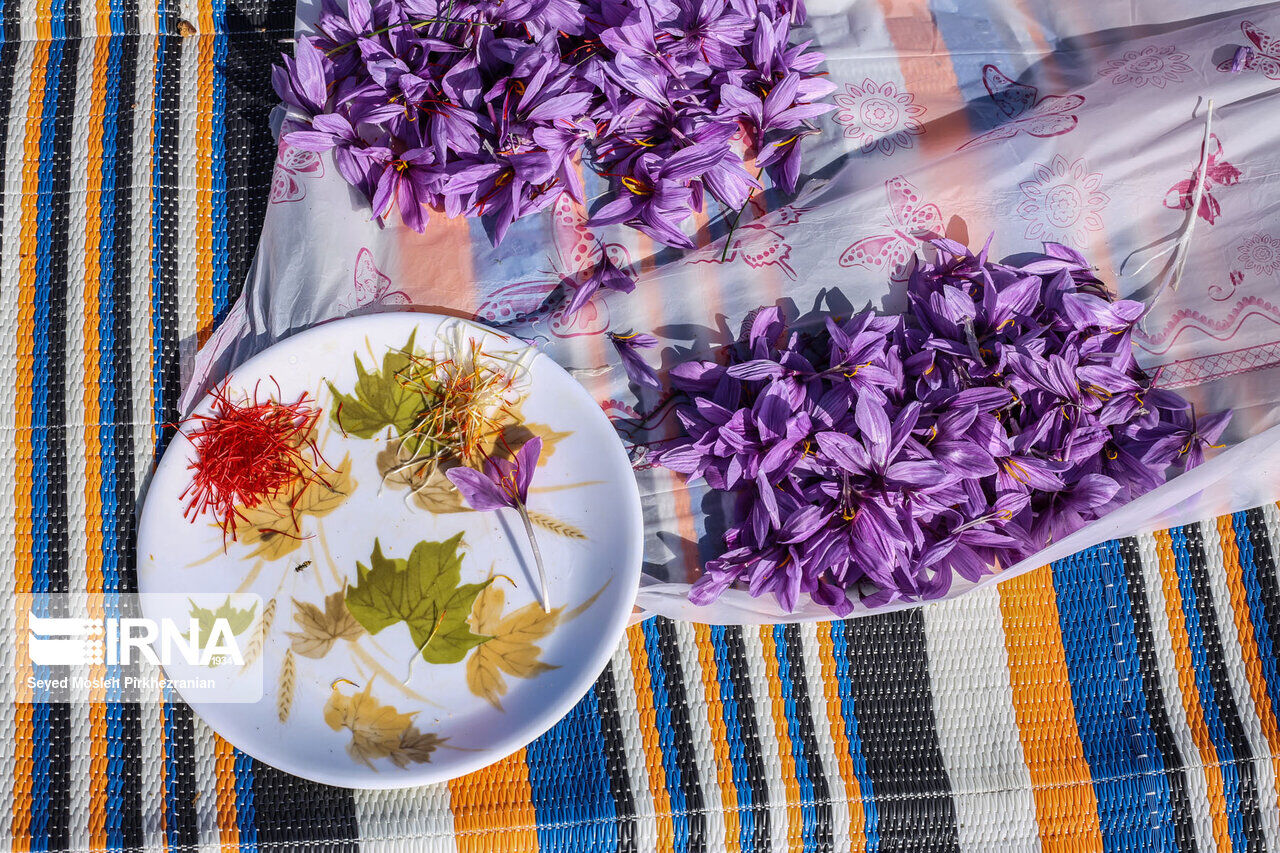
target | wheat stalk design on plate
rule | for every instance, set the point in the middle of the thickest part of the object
(555, 525)
(259, 638)
(284, 704)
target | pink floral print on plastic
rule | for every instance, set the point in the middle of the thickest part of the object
(879, 116)
(1062, 202)
(1154, 65)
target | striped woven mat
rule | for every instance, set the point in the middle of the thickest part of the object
(1124, 700)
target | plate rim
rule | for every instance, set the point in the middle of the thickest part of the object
(628, 569)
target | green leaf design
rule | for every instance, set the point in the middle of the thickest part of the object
(237, 620)
(378, 400)
(425, 592)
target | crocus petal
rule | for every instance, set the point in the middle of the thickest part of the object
(480, 492)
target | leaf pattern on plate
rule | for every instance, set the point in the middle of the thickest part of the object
(238, 620)
(273, 528)
(425, 592)
(377, 730)
(378, 400)
(320, 629)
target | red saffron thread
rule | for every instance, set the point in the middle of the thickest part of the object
(248, 453)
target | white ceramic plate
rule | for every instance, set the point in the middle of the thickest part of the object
(336, 707)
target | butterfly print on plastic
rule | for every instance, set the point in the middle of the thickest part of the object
(1024, 110)
(370, 287)
(1218, 293)
(292, 165)
(576, 252)
(1217, 171)
(1264, 57)
(910, 221)
(759, 245)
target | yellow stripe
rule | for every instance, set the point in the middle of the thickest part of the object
(795, 817)
(1066, 806)
(204, 174)
(719, 735)
(649, 737)
(224, 766)
(1190, 693)
(493, 809)
(835, 717)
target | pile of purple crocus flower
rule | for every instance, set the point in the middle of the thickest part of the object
(491, 108)
(881, 456)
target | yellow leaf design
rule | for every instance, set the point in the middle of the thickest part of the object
(377, 730)
(322, 628)
(273, 527)
(512, 648)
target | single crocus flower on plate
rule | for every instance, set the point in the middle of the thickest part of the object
(504, 484)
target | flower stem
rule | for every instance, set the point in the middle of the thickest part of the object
(537, 555)
(728, 238)
(412, 25)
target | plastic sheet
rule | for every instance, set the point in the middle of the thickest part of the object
(1078, 123)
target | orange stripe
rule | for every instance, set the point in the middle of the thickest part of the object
(1066, 806)
(493, 809)
(92, 440)
(795, 817)
(204, 174)
(1187, 685)
(835, 717)
(1248, 643)
(435, 268)
(649, 737)
(23, 729)
(224, 764)
(927, 73)
(719, 735)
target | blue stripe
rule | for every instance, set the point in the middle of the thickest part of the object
(218, 166)
(1134, 801)
(1257, 609)
(733, 732)
(571, 793)
(666, 736)
(40, 419)
(840, 651)
(807, 809)
(1205, 687)
(108, 418)
(245, 812)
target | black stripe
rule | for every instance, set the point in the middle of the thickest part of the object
(293, 811)
(794, 661)
(735, 664)
(678, 701)
(1264, 562)
(250, 148)
(615, 760)
(119, 533)
(56, 152)
(1216, 659)
(892, 699)
(1153, 691)
(180, 818)
(166, 133)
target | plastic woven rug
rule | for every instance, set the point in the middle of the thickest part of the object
(1124, 700)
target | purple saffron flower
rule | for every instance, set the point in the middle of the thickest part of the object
(505, 485)
(637, 368)
(606, 275)
(405, 184)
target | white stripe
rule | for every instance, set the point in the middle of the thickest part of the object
(204, 769)
(703, 752)
(151, 711)
(186, 245)
(761, 685)
(976, 723)
(841, 828)
(75, 434)
(1197, 782)
(10, 296)
(1271, 517)
(1234, 656)
(630, 724)
(417, 820)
